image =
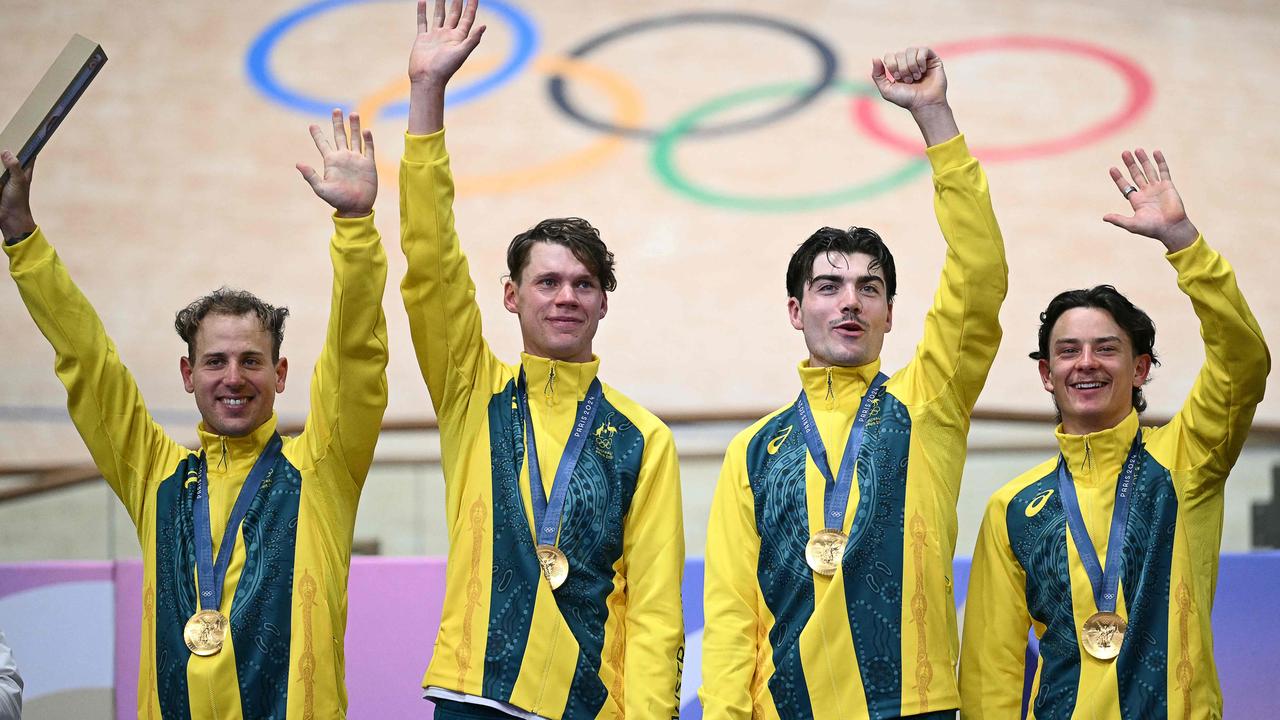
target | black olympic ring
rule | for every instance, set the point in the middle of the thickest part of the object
(827, 76)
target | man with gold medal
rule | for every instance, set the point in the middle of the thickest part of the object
(1128, 636)
(828, 583)
(255, 631)
(566, 544)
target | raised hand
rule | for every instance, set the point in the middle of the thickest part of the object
(1157, 207)
(350, 181)
(444, 41)
(15, 199)
(913, 79)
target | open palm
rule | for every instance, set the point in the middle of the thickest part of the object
(1158, 211)
(350, 179)
(444, 40)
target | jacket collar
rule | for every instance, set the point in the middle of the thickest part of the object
(1098, 456)
(223, 452)
(551, 381)
(831, 388)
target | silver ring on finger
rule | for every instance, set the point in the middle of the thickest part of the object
(1127, 191)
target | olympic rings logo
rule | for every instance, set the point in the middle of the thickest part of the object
(625, 121)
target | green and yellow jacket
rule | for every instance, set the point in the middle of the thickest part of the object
(1027, 572)
(608, 643)
(286, 586)
(878, 639)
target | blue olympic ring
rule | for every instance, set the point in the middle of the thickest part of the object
(258, 61)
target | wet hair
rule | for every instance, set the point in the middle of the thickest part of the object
(829, 240)
(582, 239)
(1131, 319)
(235, 303)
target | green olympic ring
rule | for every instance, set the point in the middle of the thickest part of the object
(664, 163)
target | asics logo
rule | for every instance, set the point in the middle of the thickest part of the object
(776, 443)
(1037, 502)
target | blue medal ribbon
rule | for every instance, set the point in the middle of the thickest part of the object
(547, 510)
(212, 574)
(836, 494)
(1106, 583)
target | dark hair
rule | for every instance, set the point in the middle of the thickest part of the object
(227, 301)
(828, 240)
(582, 239)
(1132, 320)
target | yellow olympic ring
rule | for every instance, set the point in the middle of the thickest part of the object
(627, 107)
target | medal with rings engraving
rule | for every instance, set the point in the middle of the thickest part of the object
(555, 566)
(547, 509)
(825, 550)
(1103, 634)
(204, 632)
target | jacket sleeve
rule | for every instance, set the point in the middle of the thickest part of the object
(996, 625)
(962, 328)
(653, 545)
(349, 385)
(128, 446)
(731, 603)
(1210, 429)
(439, 295)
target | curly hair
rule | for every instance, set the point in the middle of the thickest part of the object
(582, 239)
(846, 242)
(1131, 319)
(236, 303)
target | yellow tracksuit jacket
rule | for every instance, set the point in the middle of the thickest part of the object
(286, 586)
(1027, 572)
(609, 642)
(877, 640)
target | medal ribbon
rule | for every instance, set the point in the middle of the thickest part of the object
(213, 573)
(836, 495)
(1105, 583)
(547, 511)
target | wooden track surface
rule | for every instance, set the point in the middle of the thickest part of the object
(175, 175)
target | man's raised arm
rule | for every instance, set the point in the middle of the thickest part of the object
(349, 387)
(1214, 421)
(102, 396)
(962, 329)
(439, 295)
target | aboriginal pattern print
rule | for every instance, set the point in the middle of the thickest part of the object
(1040, 544)
(175, 584)
(1037, 526)
(776, 470)
(515, 566)
(873, 570)
(776, 459)
(262, 607)
(599, 496)
(1143, 665)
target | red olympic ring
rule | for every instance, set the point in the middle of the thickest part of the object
(1139, 97)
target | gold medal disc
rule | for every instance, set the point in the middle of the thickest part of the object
(554, 565)
(825, 551)
(204, 632)
(1103, 634)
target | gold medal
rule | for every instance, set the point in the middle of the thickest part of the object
(554, 565)
(825, 551)
(204, 632)
(1103, 634)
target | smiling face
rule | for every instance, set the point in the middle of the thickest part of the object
(559, 302)
(1092, 370)
(232, 375)
(845, 311)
